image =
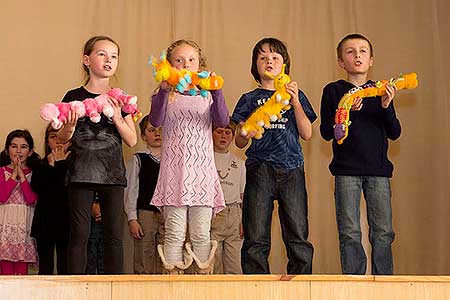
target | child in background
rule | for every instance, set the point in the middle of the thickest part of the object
(95, 251)
(17, 200)
(96, 161)
(360, 163)
(226, 226)
(51, 216)
(275, 168)
(145, 221)
(188, 188)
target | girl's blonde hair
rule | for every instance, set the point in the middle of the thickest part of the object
(201, 57)
(89, 47)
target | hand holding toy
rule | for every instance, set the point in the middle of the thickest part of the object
(271, 110)
(185, 80)
(342, 117)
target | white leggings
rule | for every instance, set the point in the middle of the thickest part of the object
(176, 220)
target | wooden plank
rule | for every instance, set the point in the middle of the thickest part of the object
(207, 289)
(26, 288)
(247, 287)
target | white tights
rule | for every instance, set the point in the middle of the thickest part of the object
(176, 222)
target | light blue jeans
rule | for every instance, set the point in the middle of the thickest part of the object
(377, 192)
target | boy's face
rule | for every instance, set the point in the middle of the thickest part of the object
(268, 61)
(222, 138)
(356, 57)
(152, 136)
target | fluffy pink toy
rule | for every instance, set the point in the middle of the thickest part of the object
(57, 113)
(78, 108)
(129, 102)
(92, 110)
(104, 106)
(50, 113)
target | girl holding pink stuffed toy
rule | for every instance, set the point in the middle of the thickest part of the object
(96, 163)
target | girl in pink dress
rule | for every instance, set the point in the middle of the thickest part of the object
(17, 200)
(188, 190)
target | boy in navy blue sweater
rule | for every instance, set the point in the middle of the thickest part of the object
(360, 163)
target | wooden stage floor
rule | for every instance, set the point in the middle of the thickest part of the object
(230, 287)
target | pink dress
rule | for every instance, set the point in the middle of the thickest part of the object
(16, 216)
(188, 175)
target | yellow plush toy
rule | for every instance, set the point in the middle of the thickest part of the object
(271, 110)
(342, 117)
(185, 80)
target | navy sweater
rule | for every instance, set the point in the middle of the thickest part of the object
(364, 151)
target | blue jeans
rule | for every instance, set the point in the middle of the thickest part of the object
(377, 192)
(265, 184)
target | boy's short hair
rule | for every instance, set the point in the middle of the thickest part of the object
(231, 125)
(143, 124)
(353, 36)
(276, 46)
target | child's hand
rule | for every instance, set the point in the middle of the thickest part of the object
(135, 229)
(248, 136)
(357, 103)
(65, 134)
(292, 89)
(19, 175)
(390, 94)
(71, 120)
(117, 107)
(14, 174)
(59, 153)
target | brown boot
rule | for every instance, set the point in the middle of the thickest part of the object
(174, 268)
(208, 266)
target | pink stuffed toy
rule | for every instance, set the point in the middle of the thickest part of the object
(50, 113)
(92, 110)
(57, 113)
(104, 106)
(78, 108)
(129, 102)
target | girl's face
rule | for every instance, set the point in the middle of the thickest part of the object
(152, 136)
(356, 56)
(19, 149)
(268, 61)
(103, 60)
(53, 141)
(185, 57)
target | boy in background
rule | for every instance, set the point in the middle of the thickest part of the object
(226, 226)
(145, 221)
